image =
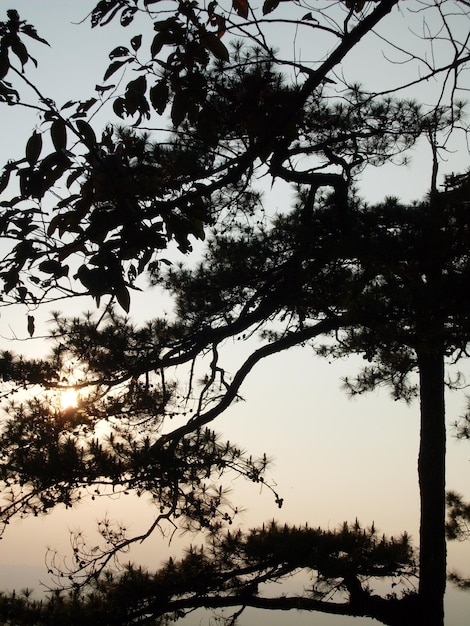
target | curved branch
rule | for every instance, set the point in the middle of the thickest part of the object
(287, 341)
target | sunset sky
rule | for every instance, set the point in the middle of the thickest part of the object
(334, 458)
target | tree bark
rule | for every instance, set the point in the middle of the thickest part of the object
(431, 472)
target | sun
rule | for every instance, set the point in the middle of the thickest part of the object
(69, 399)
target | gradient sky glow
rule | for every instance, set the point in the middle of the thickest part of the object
(334, 459)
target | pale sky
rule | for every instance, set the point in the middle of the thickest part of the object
(334, 459)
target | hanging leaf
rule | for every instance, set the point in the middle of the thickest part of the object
(4, 180)
(30, 325)
(87, 133)
(135, 96)
(159, 96)
(74, 175)
(119, 107)
(123, 297)
(136, 42)
(241, 7)
(33, 148)
(29, 30)
(158, 42)
(179, 107)
(19, 49)
(59, 134)
(4, 62)
(102, 88)
(270, 5)
(120, 51)
(68, 104)
(115, 65)
(50, 266)
(128, 15)
(212, 43)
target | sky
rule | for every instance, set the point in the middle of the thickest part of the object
(334, 458)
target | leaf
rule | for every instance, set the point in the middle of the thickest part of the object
(136, 42)
(102, 8)
(4, 62)
(102, 88)
(19, 49)
(13, 15)
(4, 180)
(139, 85)
(120, 51)
(68, 104)
(73, 176)
(127, 15)
(135, 96)
(179, 107)
(7, 93)
(270, 5)
(30, 325)
(241, 7)
(30, 31)
(22, 292)
(87, 133)
(123, 297)
(59, 134)
(33, 148)
(115, 65)
(119, 107)
(159, 96)
(84, 106)
(50, 266)
(212, 43)
(158, 42)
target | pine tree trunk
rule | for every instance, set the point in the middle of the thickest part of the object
(431, 471)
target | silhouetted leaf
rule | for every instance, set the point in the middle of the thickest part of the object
(33, 148)
(158, 42)
(135, 96)
(13, 15)
(73, 176)
(68, 104)
(179, 107)
(84, 106)
(59, 134)
(127, 15)
(123, 297)
(270, 5)
(241, 7)
(19, 49)
(139, 85)
(159, 96)
(119, 107)
(4, 62)
(102, 9)
(8, 93)
(53, 267)
(4, 179)
(120, 51)
(212, 43)
(136, 42)
(115, 65)
(87, 132)
(29, 30)
(103, 88)
(22, 293)
(30, 325)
